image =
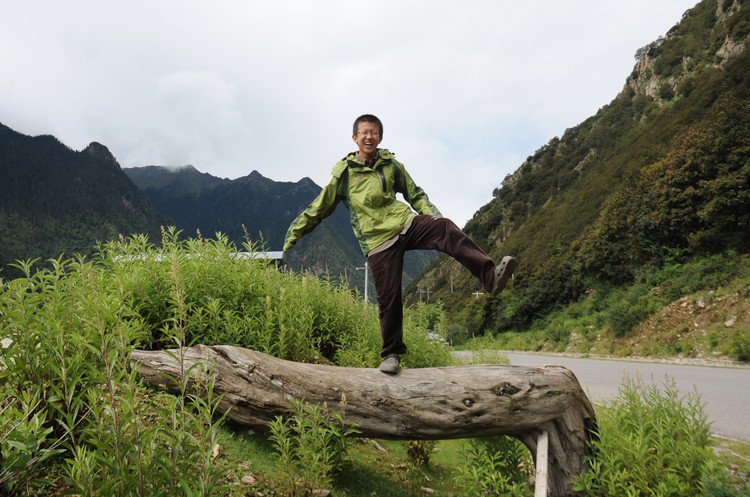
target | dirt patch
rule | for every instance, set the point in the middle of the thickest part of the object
(702, 326)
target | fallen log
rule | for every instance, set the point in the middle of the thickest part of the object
(416, 404)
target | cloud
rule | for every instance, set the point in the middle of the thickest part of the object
(192, 117)
(466, 90)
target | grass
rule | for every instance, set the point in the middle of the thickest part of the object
(734, 457)
(372, 467)
(381, 468)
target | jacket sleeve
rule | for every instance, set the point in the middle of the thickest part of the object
(413, 194)
(320, 208)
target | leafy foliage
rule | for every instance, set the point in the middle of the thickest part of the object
(653, 316)
(495, 466)
(70, 337)
(232, 302)
(696, 198)
(651, 441)
(311, 445)
(72, 411)
(69, 329)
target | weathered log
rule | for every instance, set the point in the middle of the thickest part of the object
(416, 404)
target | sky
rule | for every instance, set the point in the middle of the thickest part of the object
(466, 90)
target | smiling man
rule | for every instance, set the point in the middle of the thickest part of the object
(367, 182)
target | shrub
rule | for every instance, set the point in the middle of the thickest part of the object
(497, 466)
(65, 382)
(311, 444)
(71, 333)
(740, 347)
(23, 440)
(624, 317)
(233, 301)
(651, 442)
(424, 351)
(628, 312)
(419, 451)
(558, 332)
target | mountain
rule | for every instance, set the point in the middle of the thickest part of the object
(54, 200)
(660, 174)
(260, 210)
(251, 209)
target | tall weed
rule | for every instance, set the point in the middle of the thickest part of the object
(68, 330)
(310, 444)
(495, 466)
(424, 352)
(47, 359)
(740, 344)
(235, 301)
(652, 442)
(23, 440)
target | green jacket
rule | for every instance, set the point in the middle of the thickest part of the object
(369, 193)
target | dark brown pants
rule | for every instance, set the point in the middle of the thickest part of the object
(425, 233)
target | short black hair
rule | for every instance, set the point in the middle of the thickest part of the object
(367, 118)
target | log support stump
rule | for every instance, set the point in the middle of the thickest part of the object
(545, 408)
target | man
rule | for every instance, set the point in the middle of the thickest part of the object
(367, 182)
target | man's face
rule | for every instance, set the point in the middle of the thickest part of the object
(367, 138)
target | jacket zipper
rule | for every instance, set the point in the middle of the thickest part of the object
(383, 181)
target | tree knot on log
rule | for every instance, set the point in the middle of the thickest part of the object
(505, 388)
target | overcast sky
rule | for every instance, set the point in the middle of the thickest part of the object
(466, 89)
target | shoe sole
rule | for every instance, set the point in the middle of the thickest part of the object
(503, 272)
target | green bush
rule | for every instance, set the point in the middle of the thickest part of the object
(424, 351)
(558, 332)
(651, 442)
(71, 333)
(234, 301)
(624, 317)
(626, 313)
(717, 482)
(310, 444)
(740, 346)
(67, 387)
(24, 440)
(497, 466)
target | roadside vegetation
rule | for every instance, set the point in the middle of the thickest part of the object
(76, 419)
(698, 309)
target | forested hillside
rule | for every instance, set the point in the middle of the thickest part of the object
(661, 173)
(55, 200)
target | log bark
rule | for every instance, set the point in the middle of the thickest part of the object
(416, 404)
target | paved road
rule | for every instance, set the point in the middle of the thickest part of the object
(725, 390)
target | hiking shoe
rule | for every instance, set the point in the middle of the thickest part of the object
(503, 272)
(390, 364)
